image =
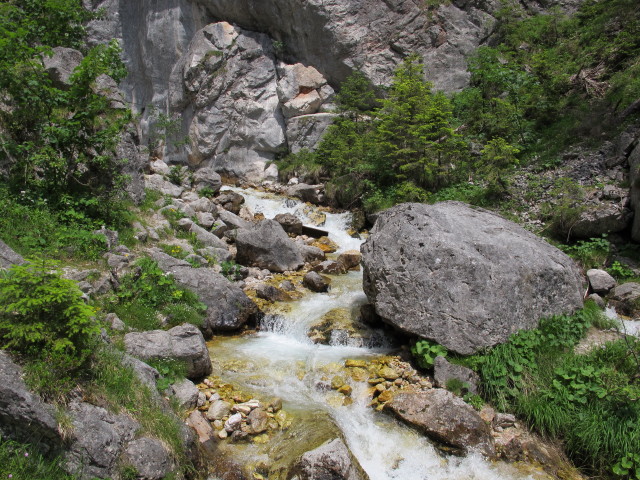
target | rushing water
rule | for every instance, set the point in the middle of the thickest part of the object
(280, 360)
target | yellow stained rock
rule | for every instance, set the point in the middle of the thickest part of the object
(345, 390)
(350, 363)
(385, 396)
(337, 382)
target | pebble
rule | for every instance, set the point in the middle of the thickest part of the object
(233, 423)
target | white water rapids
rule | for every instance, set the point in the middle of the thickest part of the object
(280, 360)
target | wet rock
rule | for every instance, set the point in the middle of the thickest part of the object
(271, 293)
(428, 270)
(266, 245)
(186, 393)
(443, 372)
(289, 222)
(23, 416)
(315, 282)
(311, 253)
(230, 201)
(600, 281)
(626, 298)
(8, 257)
(218, 410)
(258, 421)
(326, 245)
(228, 307)
(332, 460)
(149, 457)
(330, 267)
(184, 343)
(446, 418)
(233, 423)
(350, 259)
(306, 193)
(203, 429)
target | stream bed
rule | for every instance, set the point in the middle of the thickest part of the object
(280, 360)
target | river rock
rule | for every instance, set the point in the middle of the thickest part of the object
(228, 307)
(600, 281)
(218, 410)
(23, 416)
(311, 253)
(289, 222)
(446, 418)
(149, 457)
(184, 343)
(266, 245)
(230, 201)
(443, 371)
(330, 267)
(186, 393)
(315, 282)
(203, 429)
(306, 193)
(626, 298)
(350, 259)
(258, 420)
(331, 460)
(271, 293)
(465, 278)
(8, 257)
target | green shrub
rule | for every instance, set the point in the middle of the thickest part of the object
(148, 292)
(43, 314)
(171, 371)
(425, 353)
(589, 401)
(592, 253)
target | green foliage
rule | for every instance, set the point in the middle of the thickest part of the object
(58, 143)
(591, 253)
(231, 270)
(620, 271)
(590, 401)
(32, 228)
(628, 466)
(564, 209)
(497, 159)
(21, 462)
(170, 370)
(147, 292)
(43, 314)
(474, 400)
(425, 353)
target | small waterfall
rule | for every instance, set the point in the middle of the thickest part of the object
(281, 360)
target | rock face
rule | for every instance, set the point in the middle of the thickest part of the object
(149, 457)
(8, 257)
(228, 308)
(266, 245)
(99, 437)
(22, 415)
(184, 343)
(462, 277)
(446, 418)
(330, 461)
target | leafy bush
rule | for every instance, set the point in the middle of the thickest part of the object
(425, 353)
(590, 401)
(43, 314)
(591, 253)
(147, 292)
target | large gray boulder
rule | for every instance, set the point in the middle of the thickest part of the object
(462, 277)
(330, 461)
(8, 257)
(184, 343)
(99, 438)
(23, 416)
(228, 307)
(446, 418)
(149, 457)
(61, 64)
(266, 245)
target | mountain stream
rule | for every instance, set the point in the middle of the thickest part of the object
(280, 360)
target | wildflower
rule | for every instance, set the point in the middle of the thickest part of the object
(26, 454)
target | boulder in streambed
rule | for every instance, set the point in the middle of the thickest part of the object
(331, 460)
(465, 278)
(445, 418)
(266, 245)
(228, 307)
(184, 343)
